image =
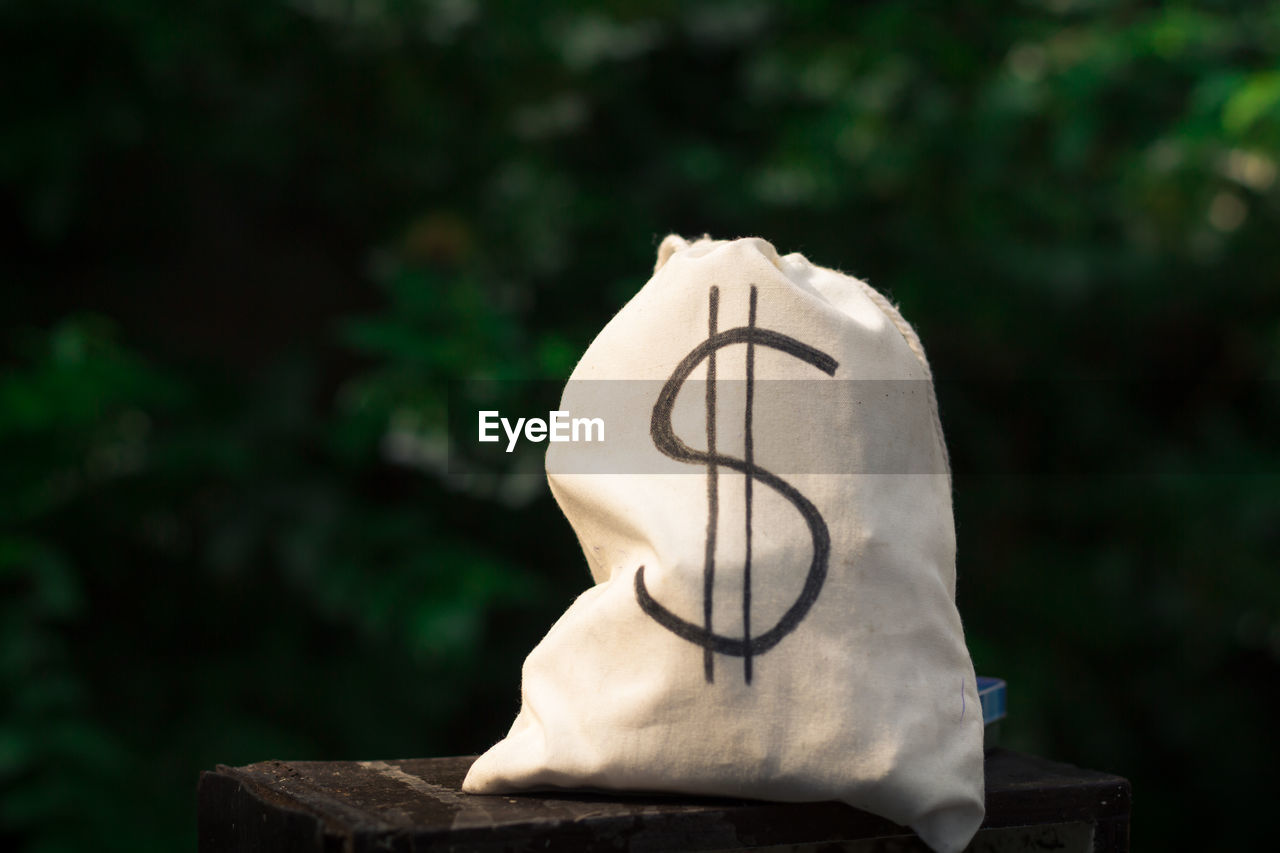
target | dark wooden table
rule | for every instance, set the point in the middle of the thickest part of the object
(416, 805)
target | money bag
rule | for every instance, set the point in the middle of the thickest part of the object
(768, 524)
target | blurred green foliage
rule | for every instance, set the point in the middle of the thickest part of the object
(247, 244)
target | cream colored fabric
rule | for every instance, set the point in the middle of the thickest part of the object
(856, 684)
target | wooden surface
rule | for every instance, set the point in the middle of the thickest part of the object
(416, 805)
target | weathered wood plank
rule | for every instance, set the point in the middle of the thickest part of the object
(416, 805)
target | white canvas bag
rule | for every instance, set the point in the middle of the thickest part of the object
(769, 528)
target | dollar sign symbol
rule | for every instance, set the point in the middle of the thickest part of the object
(665, 439)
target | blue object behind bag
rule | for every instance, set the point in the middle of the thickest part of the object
(991, 694)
